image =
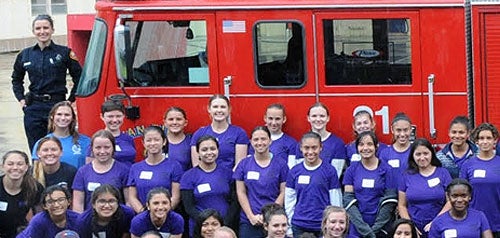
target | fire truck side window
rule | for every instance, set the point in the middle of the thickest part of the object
(89, 80)
(279, 50)
(367, 51)
(169, 53)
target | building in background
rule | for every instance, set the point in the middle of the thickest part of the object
(17, 16)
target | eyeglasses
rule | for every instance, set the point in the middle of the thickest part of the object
(102, 202)
(59, 201)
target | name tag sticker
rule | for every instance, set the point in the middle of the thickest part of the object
(479, 173)
(433, 182)
(304, 179)
(27, 63)
(205, 187)
(253, 175)
(355, 158)
(91, 186)
(165, 234)
(368, 183)
(450, 233)
(146, 175)
(393, 163)
(118, 148)
(3, 206)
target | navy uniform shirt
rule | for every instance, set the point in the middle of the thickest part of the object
(46, 70)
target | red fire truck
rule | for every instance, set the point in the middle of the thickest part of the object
(432, 59)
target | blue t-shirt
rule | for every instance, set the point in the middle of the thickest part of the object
(173, 225)
(123, 224)
(73, 154)
(87, 180)
(473, 226)
(425, 195)
(484, 177)
(144, 176)
(312, 188)
(262, 183)
(42, 226)
(227, 142)
(181, 152)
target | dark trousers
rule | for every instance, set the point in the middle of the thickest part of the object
(36, 118)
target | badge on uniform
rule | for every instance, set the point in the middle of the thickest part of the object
(72, 55)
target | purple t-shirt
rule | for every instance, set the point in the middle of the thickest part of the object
(85, 224)
(41, 225)
(474, 224)
(228, 140)
(125, 149)
(425, 195)
(181, 152)
(313, 193)
(87, 180)
(262, 183)
(369, 186)
(210, 189)
(484, 177)
(144, 176)
(173, 225)
(397, 160)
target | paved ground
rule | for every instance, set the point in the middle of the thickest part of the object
(11, 116)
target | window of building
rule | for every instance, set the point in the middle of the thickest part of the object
(367, 51)
(279, 50)
(52, 7)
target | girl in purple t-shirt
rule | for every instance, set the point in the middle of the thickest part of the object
(369, 190)
(310, 187)
(56, 217)
(233, 140)
(362, 121)
(260, 179)
(422, 189)
(154, 171)
(158, 216)
(333, 148)
(178, 146)
(107, 217)
(209, 185)
(482, 171)
(102, 170)
(396, 155)
(460, 221)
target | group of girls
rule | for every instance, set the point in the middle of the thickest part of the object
(191, 175)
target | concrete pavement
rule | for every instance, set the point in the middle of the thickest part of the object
(12, 135)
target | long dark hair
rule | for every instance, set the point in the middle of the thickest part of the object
(114, 223)
(412, 165)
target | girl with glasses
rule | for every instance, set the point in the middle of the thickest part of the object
(56, 217)
(107, 217)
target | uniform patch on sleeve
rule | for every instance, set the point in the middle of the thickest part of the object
(72, 55)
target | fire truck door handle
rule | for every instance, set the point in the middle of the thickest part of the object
(432, 127)
(227, 82)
